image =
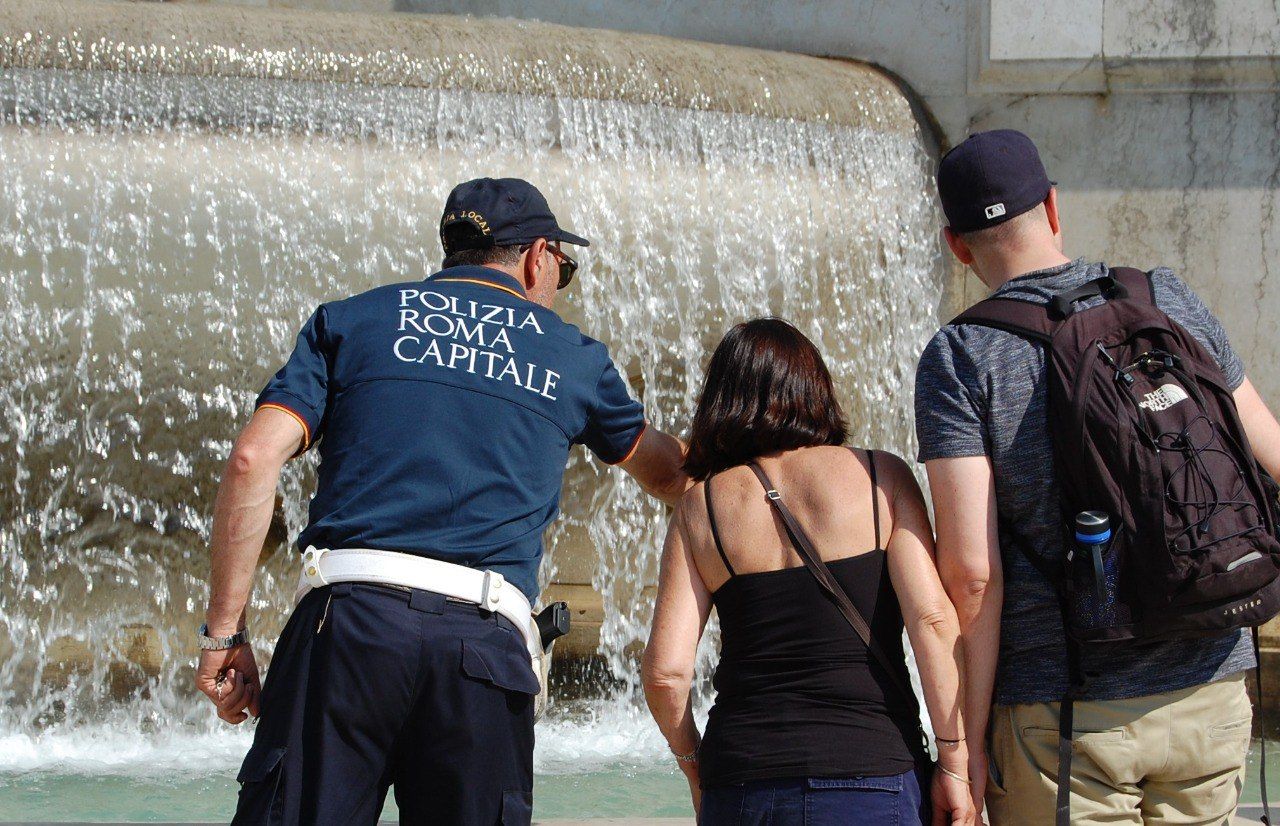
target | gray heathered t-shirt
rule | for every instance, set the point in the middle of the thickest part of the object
(982, 392)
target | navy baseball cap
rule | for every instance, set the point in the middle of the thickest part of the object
(490, 212)
(989, 178)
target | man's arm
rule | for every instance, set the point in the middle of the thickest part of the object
(241, 517)
(1260, 426)
(657, 463)
(964, 504)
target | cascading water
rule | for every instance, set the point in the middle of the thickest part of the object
(163, 235)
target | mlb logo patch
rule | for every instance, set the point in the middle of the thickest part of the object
(995, 210)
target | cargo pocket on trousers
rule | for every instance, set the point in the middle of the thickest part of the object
(517, 808)
(261, 792)
(504, 666)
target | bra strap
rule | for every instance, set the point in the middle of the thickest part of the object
(875, 496)
(875, 492)
(715, 529)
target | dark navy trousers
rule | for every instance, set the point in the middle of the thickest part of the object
(374, 687)
(896, 800)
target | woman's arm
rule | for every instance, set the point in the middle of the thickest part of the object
(679, 617)
(933, 629)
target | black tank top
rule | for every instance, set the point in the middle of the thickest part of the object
(797, 692)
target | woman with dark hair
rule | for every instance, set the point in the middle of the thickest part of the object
(815, 556)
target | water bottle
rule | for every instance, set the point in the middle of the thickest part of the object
(1093, 535)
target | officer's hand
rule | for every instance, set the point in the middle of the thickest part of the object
(230, 679)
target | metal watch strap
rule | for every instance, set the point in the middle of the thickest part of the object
(208, 643)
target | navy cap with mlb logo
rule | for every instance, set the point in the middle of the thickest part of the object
(490, 212)
(989, 178)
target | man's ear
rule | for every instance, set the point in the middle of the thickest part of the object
(1051, 211)
(532, 264)
(958, 247)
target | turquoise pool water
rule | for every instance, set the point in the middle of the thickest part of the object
(592, 760)
(641, 791)
(647, 793)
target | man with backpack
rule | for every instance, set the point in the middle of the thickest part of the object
(1101, 475)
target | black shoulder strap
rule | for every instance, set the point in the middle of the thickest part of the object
(715, 529)
(875, 494)
(1039, 321)
(1137, 284)
(1262, 763)
(804, 547)
(1022, 318)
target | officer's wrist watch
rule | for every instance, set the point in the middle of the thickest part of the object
(208, 643)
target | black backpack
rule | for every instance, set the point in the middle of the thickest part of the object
(1171, 520)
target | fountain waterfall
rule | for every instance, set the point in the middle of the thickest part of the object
(181, 186)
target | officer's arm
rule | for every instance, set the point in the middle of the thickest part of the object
(242, 512)
(1260, 426)
(968, 553)
(657, 463)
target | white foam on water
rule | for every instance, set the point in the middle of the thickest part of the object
(614, 736)
(96, 750)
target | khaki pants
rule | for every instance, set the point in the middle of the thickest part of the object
(1169, 758)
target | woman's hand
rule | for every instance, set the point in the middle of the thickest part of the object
(695, 784)
(952, 801)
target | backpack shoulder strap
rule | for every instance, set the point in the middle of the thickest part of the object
(1136, 283)
(1039, 321)
(1022, 318)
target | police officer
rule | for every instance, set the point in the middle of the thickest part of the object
(444, 411)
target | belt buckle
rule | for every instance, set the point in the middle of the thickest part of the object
(491, 590)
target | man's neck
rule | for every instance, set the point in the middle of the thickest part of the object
(997, 271)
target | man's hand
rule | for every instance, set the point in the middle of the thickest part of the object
(230, 679)
(978, 778)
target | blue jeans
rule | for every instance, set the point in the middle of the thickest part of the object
(896, 800)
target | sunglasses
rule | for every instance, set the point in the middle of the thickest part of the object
(567, 265)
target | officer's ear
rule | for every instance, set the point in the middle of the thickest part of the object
(533, 263)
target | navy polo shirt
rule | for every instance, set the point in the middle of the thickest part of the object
(444, 411)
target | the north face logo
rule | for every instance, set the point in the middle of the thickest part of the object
(1163, 397)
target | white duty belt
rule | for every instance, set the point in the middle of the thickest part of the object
(487, 589)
